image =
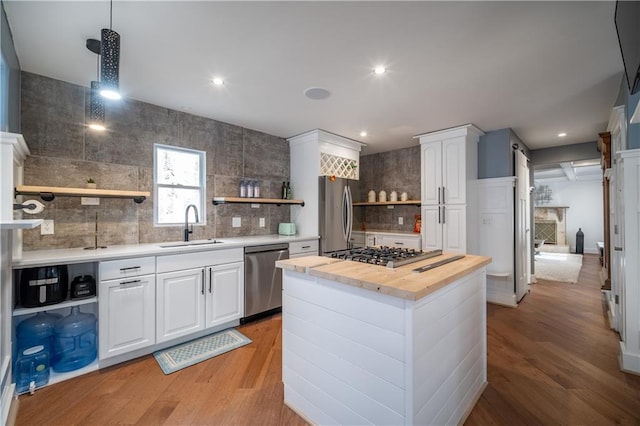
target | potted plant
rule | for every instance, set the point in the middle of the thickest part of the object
(91, 183)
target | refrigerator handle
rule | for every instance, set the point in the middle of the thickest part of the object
(349, 214)
(345, 213)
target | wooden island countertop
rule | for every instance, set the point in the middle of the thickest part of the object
(399, 282)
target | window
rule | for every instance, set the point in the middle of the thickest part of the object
(178, 181)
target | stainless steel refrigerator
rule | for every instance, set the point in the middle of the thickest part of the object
(336, 213)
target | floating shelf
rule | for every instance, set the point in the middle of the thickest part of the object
(391, 203)
(276, 201)
(48, 193)
(20, 224)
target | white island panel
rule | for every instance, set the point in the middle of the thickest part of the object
(351, 355)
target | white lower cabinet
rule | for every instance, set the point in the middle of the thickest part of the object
(201, 297)
(390, 239)
(303, 248)
(444, 227)
(127, 315)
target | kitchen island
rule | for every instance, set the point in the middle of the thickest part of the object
(365, 344)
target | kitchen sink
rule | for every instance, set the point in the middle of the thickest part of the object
(190, 243)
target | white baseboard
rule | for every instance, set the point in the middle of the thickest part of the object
(629, 362)
(502, 299)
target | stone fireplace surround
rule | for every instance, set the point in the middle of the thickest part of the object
(554, 214)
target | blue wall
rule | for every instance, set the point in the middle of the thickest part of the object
(495, 153)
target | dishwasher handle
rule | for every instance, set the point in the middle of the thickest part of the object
(268, 247)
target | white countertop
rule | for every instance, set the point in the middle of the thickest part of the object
(80, 255)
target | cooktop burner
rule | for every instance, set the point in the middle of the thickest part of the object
(391, 257)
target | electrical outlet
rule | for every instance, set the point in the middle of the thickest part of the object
(400, 220)
(236, 222)
(47, 227)
(261, 222)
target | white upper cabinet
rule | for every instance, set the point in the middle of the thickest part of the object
(431, 172)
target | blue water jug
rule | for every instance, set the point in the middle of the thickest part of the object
(32, 368)
(74, 339)
(36, 330)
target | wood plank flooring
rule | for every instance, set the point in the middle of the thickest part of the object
(552, 360)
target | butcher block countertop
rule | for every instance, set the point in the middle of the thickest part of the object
(399, 282)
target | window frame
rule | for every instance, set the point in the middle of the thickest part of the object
(202, 213)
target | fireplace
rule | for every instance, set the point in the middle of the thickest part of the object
(551, 225)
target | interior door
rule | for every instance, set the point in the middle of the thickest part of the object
(522, 231)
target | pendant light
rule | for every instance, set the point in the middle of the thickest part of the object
(110, 53)
(96, 107)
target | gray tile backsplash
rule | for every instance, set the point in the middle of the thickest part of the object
(64, 152)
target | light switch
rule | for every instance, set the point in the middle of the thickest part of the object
(400, 220)
(236, 222)
(261, 222)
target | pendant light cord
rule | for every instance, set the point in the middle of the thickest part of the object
(111, 14)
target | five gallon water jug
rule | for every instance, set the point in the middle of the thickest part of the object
(32, 368)
(74, 341)
(37, 330)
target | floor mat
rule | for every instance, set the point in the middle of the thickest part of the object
(177, 357)
(564, 267)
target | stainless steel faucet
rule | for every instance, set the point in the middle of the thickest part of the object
(188, 231)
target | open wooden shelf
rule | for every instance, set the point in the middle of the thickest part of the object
(391, 203)
(20, 224)
(48, 193)
(276, 201)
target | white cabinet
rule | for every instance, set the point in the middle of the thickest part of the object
(390, 239)
(445, 228)
(225, 293)
(197, 291)
(127, 315)
(448, 173)
(303, 248)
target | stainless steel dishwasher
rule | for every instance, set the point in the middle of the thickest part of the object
(262, 280)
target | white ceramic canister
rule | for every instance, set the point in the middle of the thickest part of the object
(404, 196)
(382, 196)
(393, 196)
(372, 196)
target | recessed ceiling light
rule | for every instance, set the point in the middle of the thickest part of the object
(562, 135)
(379, 70)
(98, 127)
(317, 93)
(363, 134)
(218, 81)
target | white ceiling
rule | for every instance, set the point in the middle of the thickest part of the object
(574, 171)
(538, 67)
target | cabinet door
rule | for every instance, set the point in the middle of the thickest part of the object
(454, 228)
(127, 315)
(180, 303)
(431, 168)
(454, 171)
(225, 293)
(431, 228)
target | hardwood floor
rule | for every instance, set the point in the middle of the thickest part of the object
(552, 360)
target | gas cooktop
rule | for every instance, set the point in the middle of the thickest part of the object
(391, 257)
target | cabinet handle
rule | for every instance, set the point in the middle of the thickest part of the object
(439, 195)
(210, 279)
(617, 248)
(398, 243)
(306, 247)
(129, 268)
(202, 284)
(444, 214)
(443, 201)
(439, 217)
(130, 282)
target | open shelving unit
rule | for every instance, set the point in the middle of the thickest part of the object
(48, 193)
(20, 224)
(390, 203)
(242, 200)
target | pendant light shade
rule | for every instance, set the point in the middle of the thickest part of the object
(110, 64)
(96, 108)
